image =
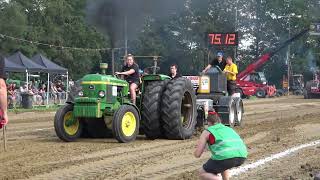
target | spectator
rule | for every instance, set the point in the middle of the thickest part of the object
(54, 93)
(36, 96)
(61, 91)
(3, 94)
(24, 88)
(11, 95)
(42, 93)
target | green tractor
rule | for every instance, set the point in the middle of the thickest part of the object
(165, 108)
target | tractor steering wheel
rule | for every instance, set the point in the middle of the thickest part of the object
(117, 76)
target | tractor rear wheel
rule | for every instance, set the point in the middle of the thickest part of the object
(239, 111)
(125, 124)
(150, 113)
(227, 110)
(66, 126)
(178, 109)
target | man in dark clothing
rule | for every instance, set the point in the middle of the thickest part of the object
(218, 61)
(174, 71)
(3, 95)
(131, 73)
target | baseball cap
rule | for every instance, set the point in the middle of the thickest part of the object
(220, 54)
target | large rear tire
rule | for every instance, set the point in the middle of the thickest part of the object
(66, 126)
(178, 109)
(125, 124)
(150, 113)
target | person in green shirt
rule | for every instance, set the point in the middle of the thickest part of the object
(226, 146)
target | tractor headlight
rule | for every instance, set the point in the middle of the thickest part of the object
(102, 94)
(80, 93)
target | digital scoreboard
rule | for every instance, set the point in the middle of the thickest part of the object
(222, 39)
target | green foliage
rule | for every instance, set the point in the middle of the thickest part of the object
(60, 23)
(266, 23)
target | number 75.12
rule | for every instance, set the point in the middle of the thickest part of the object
(222, 39)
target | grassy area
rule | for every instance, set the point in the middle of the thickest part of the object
(36, 109)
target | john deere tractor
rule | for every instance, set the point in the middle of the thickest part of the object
(165, 109)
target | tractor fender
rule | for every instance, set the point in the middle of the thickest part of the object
(136, 107)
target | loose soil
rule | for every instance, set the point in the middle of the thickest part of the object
(270, 126)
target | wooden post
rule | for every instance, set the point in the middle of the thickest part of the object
(4, 138)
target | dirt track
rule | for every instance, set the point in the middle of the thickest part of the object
(270, 126)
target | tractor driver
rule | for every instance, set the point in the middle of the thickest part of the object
(218, 61)
(131, 72)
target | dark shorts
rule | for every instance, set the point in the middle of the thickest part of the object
(231, 87)
(134, 81)
(218, 166)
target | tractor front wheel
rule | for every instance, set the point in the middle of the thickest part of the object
(125, 124)
(261, 93)
(67, 127)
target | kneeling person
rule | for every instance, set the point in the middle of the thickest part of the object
(227, 149)
(131, 72)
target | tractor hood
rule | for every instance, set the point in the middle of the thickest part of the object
(103, 79)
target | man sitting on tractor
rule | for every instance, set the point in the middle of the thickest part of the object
(131, 72)
(174, 71)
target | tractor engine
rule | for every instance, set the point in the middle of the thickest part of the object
(100, 93)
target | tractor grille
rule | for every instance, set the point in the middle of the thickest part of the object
(87, 108)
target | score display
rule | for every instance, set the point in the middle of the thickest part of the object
(223, 39)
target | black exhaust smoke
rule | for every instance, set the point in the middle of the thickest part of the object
(109, 16)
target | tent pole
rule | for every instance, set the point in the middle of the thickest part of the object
(48, 88)
(27, 79)
(67, 90)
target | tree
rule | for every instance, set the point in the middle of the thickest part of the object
(60, 23)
